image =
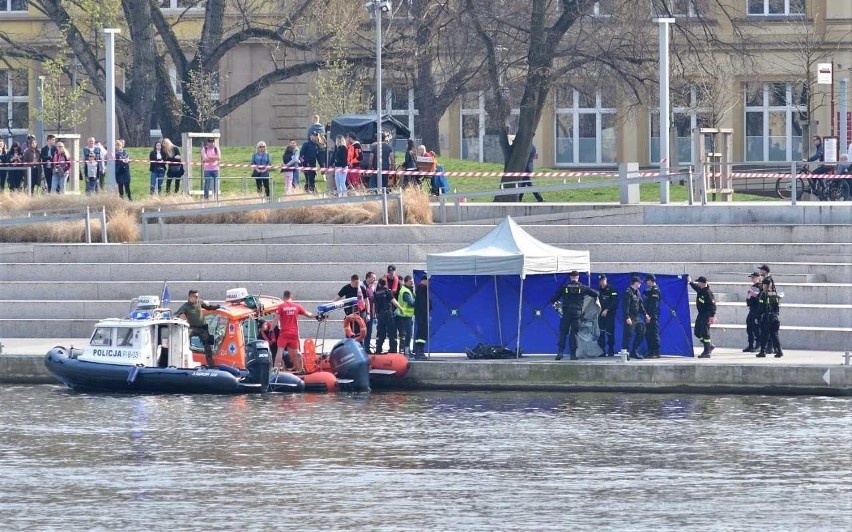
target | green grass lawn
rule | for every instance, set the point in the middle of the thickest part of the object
(232, 181)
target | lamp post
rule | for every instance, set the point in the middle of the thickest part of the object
(39, 125)
(110, 104)
(665, 107)
(377, 7)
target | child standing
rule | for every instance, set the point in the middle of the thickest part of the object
(92, 173)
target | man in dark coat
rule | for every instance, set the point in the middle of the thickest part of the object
(571, 296)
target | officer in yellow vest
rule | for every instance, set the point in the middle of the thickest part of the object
(404, 316)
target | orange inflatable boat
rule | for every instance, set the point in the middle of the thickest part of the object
(234, 324)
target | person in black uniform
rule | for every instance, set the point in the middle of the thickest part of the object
(705, 302)
(635, 317)
(752, 320)
(769, 309)
(651, 299)
(765, 273)
(571, 295)
(608, 299)
(385, 305)
(421, 317)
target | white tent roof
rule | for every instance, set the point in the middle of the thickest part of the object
(507, 250)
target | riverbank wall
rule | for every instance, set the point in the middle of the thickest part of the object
(543, 374)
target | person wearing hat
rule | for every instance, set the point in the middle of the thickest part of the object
(608, 299)
(705, 302)
(652, 298)
(571, 295)
(635, 317)
(769, 309)
(394, 282)
(752, 320)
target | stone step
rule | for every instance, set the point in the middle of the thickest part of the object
(814, 293)
(92, 310)
(816, 315)
(126, 290)
(580, 231)
(387, 253)
(82, 327)
(792, 337)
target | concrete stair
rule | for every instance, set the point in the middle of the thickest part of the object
(60, 290)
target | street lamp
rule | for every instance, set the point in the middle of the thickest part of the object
(40, 115)
(665, 107)
(377, 7)
(110, 104)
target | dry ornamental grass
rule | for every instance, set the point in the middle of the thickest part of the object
(123, 217)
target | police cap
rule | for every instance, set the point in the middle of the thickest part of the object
(574, 273)
(635, 279)
(650, 277)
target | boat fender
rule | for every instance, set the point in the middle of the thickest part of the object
(347, 327)
(131, 376)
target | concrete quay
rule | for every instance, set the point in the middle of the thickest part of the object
(728, 371)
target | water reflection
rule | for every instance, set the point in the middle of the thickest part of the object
(436, 461)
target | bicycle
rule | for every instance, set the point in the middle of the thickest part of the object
(822, 189)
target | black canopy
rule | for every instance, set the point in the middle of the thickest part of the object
(364, 126)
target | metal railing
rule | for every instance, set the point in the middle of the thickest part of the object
(382, 196)
(60, 215)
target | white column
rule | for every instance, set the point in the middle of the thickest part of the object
(110, 105)
(665, 106)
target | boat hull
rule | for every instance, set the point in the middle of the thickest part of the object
(83, 375)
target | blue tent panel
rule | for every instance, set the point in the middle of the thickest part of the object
(464, 312)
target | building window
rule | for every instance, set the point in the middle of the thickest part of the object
(13, 6)
(676, 8)
(399, 103)
(472, 126)
(773, 116)
(14, 102)
(585, 127)
(776, 7)
(479, 142)
(687, 114)
(183, 4)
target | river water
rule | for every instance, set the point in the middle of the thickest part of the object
(423, 461)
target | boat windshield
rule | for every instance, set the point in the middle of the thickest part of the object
(102, 337)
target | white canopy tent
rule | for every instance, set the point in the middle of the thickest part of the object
(508, 250)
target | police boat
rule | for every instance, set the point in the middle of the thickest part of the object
(149, 352)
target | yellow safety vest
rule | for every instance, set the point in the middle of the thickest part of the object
(405, 310)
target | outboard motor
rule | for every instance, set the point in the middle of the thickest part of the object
(257, 363)
(349, 361)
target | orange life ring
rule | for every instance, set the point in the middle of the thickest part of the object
(347, 326)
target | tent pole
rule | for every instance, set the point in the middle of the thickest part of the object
(497, 297)
(520, 305)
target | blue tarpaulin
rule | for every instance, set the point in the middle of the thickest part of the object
(464, 311)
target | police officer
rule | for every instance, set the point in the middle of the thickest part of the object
(766, 274)
(608, 299)
(769, 310)
(705, 302)
(571, 295)
(421, 317)
(385, 305)
(635, 317)
(752, 320)
(651, 299)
